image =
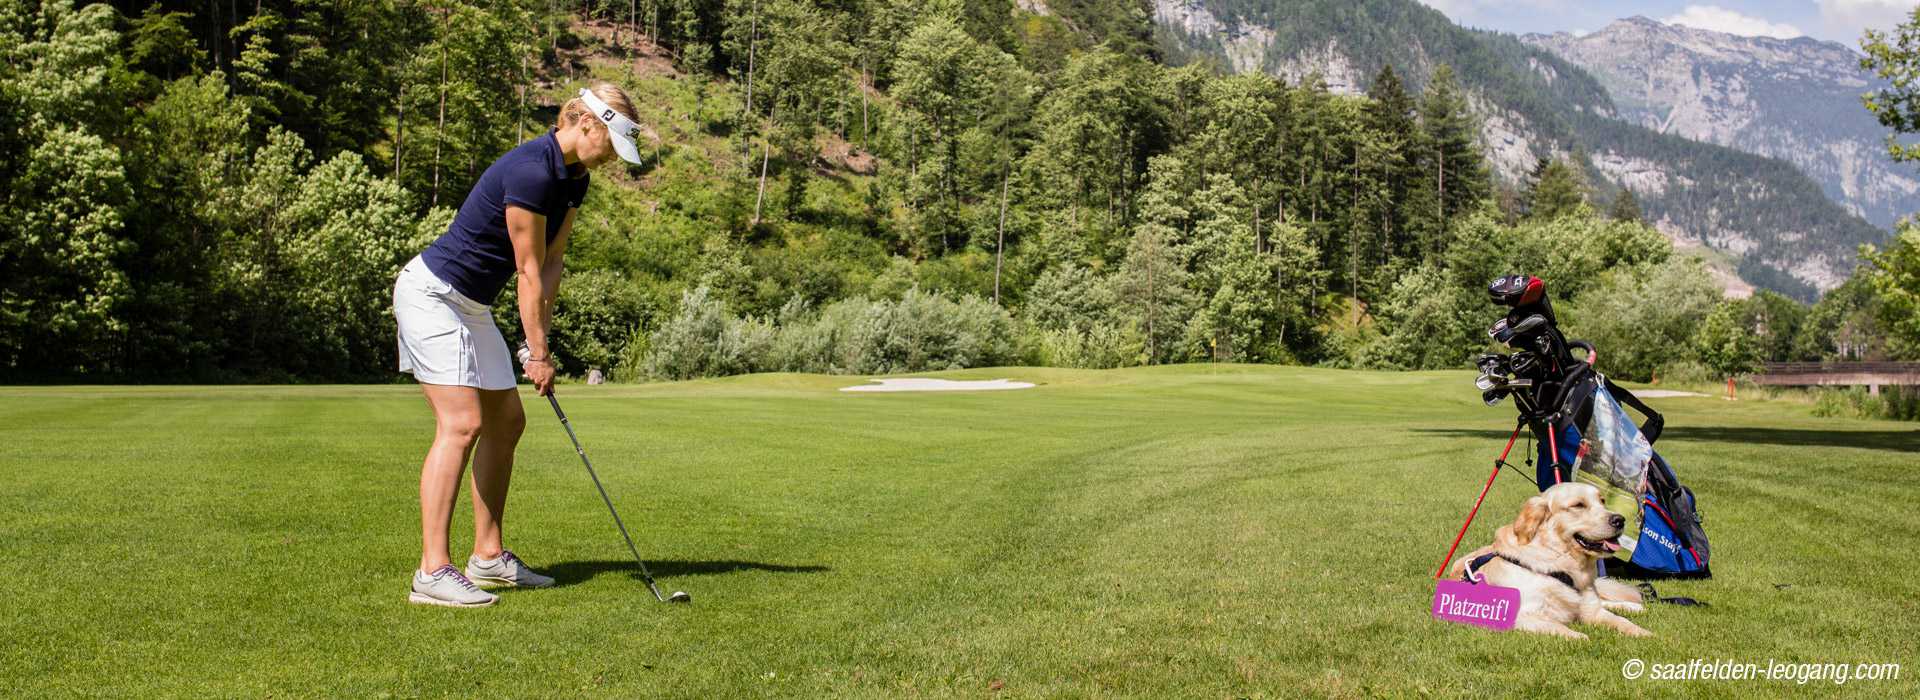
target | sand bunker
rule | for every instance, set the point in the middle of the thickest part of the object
(924, 384)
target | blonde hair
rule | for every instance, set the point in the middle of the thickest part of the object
(574, 109)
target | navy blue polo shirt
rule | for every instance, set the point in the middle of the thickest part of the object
(475, 255)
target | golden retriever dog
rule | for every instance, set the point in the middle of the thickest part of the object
(1549, 554)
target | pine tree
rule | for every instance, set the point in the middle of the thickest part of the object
(1459, 171)
(1625, 207)
(1558, 190)
(1151, 284)
(1395, 158)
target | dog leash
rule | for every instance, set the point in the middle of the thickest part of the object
(1647, 589)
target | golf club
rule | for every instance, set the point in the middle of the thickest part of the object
(1529, 324)
(678, 596)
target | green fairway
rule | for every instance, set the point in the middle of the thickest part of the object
(1164, 532)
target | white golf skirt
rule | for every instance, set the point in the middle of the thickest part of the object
(446, 338)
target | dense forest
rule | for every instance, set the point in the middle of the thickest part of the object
(198, 192)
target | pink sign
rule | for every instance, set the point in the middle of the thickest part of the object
(1484, 604)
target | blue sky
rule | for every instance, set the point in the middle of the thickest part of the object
(1835, 20)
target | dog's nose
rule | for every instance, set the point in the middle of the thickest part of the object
(1616, 520)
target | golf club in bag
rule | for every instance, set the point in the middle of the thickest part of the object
(1577, 414)
(678, 596)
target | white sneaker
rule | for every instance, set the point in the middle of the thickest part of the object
(447, 586)
(506, 570)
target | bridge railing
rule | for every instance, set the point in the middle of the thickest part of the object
(1871, 375)
(1840, 368)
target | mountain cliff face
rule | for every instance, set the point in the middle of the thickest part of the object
(1794, 99)
(1775, 225)
(1523, 94)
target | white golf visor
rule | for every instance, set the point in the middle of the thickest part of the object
(618, 125)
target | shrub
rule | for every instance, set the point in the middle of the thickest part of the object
(598, 312)
(920, 331)
(1641, 317)
(1685, 372)
(702, 340)
(1893, 403)
(1101, 346)
(1726, 342)
(1067, 297)
(631, 364)
(1429, 324)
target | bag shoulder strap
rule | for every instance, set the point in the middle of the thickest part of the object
(1654, 423)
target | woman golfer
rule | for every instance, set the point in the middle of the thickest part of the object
(513, 226)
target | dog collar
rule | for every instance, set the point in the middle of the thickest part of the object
(1482, 560)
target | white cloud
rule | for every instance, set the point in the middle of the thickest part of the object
(1846, 19)
(1720, 19)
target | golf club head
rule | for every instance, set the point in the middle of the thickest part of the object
(1517, 290)
(1492, 363)
(1493, 397)
(1524, 362)
(1522, 293)
(1506, 331)
(1488, 382)
(1529, 324)
(1501, 332)
(680, 597)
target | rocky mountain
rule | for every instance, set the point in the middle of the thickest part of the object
(1761, 216)
(1793, 99)
(1523, 94)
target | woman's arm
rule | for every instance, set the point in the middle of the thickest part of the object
(556, 253)
(528, 232)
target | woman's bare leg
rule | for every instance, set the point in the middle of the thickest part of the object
(502, 421)
(457, 422)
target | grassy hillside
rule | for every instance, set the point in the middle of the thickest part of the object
(1187, 531)
(683, 217)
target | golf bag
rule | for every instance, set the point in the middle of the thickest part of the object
(1578, 417)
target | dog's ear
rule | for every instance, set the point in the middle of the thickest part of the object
(1531, 518)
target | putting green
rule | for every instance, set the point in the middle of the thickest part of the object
(1168, 532)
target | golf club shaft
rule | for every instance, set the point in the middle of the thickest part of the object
(644, 574)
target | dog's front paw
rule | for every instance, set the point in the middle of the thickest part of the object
(1623, 606)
